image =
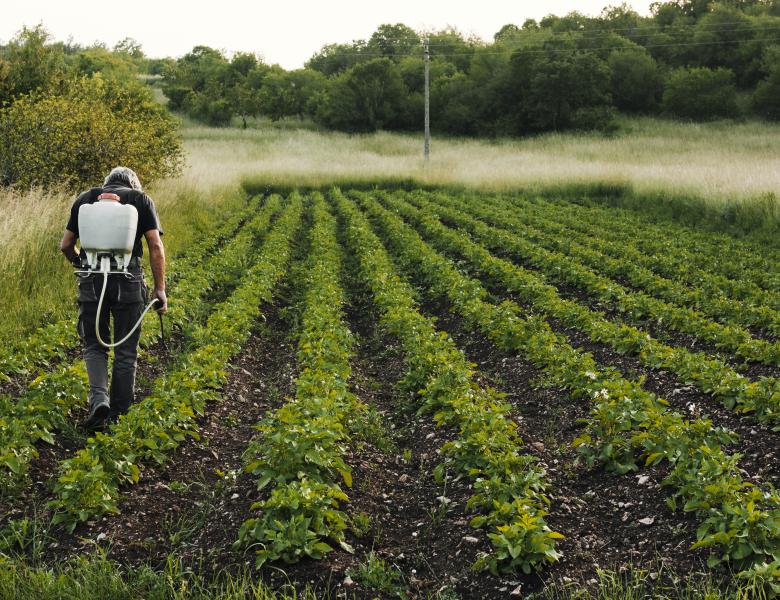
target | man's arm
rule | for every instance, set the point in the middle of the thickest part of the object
(68, 246)
(157, 261)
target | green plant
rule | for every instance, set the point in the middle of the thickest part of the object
(301, 446)
(700, 94)
(486, 447)
(360, 524)
(376, 574)
(625, 419)
(90, 481)
(45, 142)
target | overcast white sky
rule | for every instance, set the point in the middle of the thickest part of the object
(287, 32)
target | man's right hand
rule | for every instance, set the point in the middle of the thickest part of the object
(161, 306)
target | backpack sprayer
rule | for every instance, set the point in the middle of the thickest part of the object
(107, 234)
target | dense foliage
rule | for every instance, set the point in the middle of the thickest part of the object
(690, 59)
(68, 115)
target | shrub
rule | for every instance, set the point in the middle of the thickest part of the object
(635, 81)
(210, 109)
(74, 137)
(766, 98)
(700, 94)
(366, 97)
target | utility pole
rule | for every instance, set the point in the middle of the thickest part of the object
(427, 60)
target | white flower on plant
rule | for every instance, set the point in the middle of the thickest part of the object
(602, 394)
(590, 375)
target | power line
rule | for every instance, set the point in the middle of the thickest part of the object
(548, 50)
(605, 32)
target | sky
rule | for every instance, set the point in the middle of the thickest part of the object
(287, 32)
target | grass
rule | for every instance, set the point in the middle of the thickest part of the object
(723, 175)
(719, 161)
(98, 577)
(659, 584)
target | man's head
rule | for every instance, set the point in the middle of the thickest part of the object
(123, 176)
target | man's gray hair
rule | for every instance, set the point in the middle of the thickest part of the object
(124, 176)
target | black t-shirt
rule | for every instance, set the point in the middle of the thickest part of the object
(147, 214)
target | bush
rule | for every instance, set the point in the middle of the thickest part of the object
(366, 97)
(635, 81)
(766, 98)
(73, 138)
(210, 109)
(700, 94)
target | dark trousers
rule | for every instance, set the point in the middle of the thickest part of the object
(123, 303)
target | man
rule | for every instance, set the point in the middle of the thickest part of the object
(124, 300)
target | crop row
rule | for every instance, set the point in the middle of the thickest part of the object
(709, 374)
(89, 482)
(54, 340)
(627, 424)
(620, 260)
(674, 261)
(47, 403)
(634, 306)
(301, 446)
(714, 252)
(509, 485)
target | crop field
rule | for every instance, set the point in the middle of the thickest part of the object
(416, 394)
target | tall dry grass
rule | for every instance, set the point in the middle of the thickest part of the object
(719, 161)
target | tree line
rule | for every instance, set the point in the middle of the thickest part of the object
(691, 59)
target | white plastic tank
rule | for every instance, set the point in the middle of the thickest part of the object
(109, 227)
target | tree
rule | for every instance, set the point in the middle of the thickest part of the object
(336, 58)
(635, 81)
(34, 64)
(726, 37)
(700, 94)
(559, 88)
(365, 98)
(394, 41)
(99, 60)
(766, 98)
(509, 31)
(288, 93)
(129, 47)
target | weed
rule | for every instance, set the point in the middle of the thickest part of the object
(376, 574)
(360, 524)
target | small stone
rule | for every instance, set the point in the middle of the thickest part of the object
(470, 539)
(101, 537)
(431, 435)
(643, 479)
(403, 478)
(348, 581)
(538, 446)
(517, 592)
(234, 497)
(647, 521)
